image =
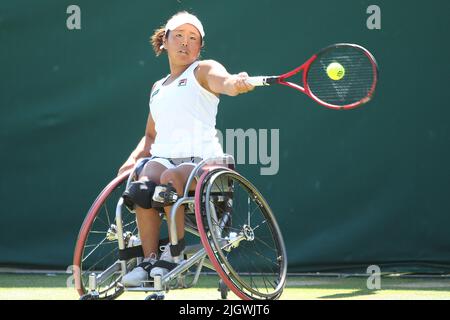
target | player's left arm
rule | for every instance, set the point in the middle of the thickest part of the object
(214, 77)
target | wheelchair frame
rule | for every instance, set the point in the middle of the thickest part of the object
(196, 254)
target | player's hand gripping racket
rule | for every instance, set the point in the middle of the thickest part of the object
(341, 76)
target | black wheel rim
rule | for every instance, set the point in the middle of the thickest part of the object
(257, 267)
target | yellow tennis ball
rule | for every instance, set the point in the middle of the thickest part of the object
(335, 71)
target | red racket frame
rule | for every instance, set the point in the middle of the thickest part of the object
(305, 68)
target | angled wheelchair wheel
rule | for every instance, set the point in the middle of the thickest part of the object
(240, 235)
(97, 248)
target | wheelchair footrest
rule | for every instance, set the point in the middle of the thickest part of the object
(153, 284)
(147, 286)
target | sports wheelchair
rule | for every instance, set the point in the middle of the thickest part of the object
(239, 238)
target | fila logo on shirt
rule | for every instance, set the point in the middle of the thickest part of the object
(182, 82)
(154, 93)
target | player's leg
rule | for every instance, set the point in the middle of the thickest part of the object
(148, 220)
(178, 177)
(149, 223)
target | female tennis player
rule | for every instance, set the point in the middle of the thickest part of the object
(180, 130)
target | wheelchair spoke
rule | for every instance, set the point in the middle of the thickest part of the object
(231, 228)
(259, 225)
(107, 214)
(253, 263)
(248, 211)
(253, 283)
(96, 246)
(271, 248)
(249, 201)
(101, 260)
(263, 277)
(220, 187)
(265, 258)
(253, 212)
(129, 224)
(101, 220)
(244, 257)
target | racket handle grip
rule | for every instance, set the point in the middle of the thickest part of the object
(261, 81)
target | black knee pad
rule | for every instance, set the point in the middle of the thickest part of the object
(139, 193)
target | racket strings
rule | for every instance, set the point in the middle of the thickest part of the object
(356, 83)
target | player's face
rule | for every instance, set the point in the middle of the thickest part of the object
(184, 44)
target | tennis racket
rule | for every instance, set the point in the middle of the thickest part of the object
(341, 76)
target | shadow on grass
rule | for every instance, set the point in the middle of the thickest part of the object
(356, 287)
(358, 293)
(12, 280)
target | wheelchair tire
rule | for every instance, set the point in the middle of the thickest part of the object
(249, 254)
(95, 249)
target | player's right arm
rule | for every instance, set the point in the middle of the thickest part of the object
(215, 78)
(143, 148)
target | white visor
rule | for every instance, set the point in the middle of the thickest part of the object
(183, 18)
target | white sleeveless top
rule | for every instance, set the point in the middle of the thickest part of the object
(185, 118)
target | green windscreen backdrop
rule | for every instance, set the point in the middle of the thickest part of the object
(349, 188)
